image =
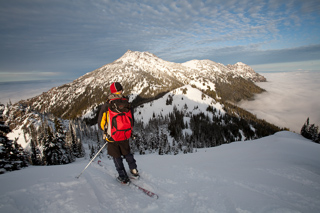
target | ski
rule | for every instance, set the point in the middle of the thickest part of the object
(136, 186)
(134, 178)
(147, 192)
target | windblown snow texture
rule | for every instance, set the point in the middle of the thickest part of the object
(279, 173)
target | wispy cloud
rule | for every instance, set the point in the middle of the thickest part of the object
(34, 33)
(26, 75)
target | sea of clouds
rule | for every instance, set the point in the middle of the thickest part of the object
(290, 99)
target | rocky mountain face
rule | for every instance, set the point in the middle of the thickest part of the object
(146, 77)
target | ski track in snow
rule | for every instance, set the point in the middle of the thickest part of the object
(279, 173)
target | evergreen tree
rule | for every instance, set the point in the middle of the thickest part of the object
(51, 152)
(60, 139)
(12, 156)
(310, 131)
(72, 140)
(92, 152)
(36, 153)
(305, 130)
(313, 130)
(169, 100)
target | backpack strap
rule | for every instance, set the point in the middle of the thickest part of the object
(119, 105)
(113, 106)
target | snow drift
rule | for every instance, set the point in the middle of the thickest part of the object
(278, 173)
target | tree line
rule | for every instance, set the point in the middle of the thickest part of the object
(12, 155)
(51, 142)
(179, 132)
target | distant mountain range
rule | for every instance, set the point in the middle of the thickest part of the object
(145, 77)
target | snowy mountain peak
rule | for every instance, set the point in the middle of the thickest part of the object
(240, 64)
(246, 72)
(139, 57)
(206, 65)
(135, 54)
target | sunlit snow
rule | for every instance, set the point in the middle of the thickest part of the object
(279, 173)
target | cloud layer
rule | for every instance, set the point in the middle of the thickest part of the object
(290, 99)
(79, 36)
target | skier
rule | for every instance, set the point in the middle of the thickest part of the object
(118, 147)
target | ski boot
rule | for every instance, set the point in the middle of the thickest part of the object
(123, 180)
(135, 174)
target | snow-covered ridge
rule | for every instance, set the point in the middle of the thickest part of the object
(206, 65)
(149, 61)
(246, 72)
(188, 99)
(279, 173)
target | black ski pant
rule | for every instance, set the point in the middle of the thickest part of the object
(118, 162)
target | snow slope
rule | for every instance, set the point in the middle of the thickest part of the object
(278, 173)
(186, 98)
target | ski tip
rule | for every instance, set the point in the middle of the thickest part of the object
(155, 197)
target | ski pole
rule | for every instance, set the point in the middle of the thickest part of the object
(92, 160)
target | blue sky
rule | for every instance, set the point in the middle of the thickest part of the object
(58, 39)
